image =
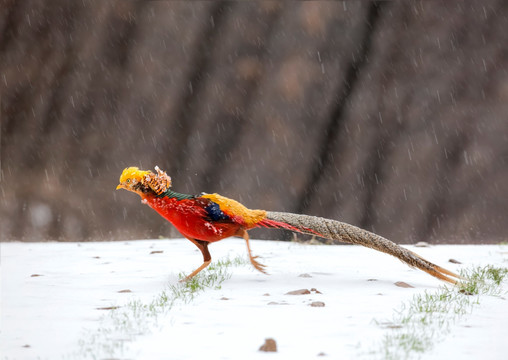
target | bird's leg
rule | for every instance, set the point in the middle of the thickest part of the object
(260, 267)
(207, 258)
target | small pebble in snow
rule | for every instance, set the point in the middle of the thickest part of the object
(224, 298)
(125, 291)
(298, 292)
(321, 354)
(393, 326)
(277, 303)
(108, 308)
(266, 294)
(317, 304)
(371, 279)
(465, 292)
(270, 345)
(305, 275)
(453, 261)
(389, 325)
(26, 346)
(156, 252)
(403, 284)
(36, 275)
(316, 291)
(422, 244)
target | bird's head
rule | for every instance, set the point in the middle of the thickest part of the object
(143, 182)
(134, 180)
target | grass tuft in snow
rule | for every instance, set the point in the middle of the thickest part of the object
(428, 317)
(125, 323)
(211, 278)
(482, 281)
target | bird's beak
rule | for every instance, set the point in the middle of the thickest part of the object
(120, 186)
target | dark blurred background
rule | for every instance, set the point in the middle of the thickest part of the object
(391, 116)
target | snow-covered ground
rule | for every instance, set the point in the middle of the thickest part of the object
(55, 294)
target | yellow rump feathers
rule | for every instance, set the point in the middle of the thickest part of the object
(234, 208)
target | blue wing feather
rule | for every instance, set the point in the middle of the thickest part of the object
(215, 213)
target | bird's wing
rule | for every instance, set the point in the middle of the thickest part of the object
(235, 211)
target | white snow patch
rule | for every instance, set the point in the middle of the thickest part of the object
(43, 317)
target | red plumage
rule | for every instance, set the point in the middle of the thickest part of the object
(191, 218)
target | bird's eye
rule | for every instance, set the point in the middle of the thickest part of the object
(128, 181)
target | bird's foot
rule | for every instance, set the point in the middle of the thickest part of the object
(257, 266)
(195, 272)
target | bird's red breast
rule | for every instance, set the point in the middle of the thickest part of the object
(197, 218)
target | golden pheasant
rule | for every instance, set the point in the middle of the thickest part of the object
(208, 218)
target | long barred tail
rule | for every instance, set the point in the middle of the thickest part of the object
(336, 230)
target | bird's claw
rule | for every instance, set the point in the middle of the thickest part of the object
(259, 267)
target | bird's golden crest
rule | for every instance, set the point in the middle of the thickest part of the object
(131, 174)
